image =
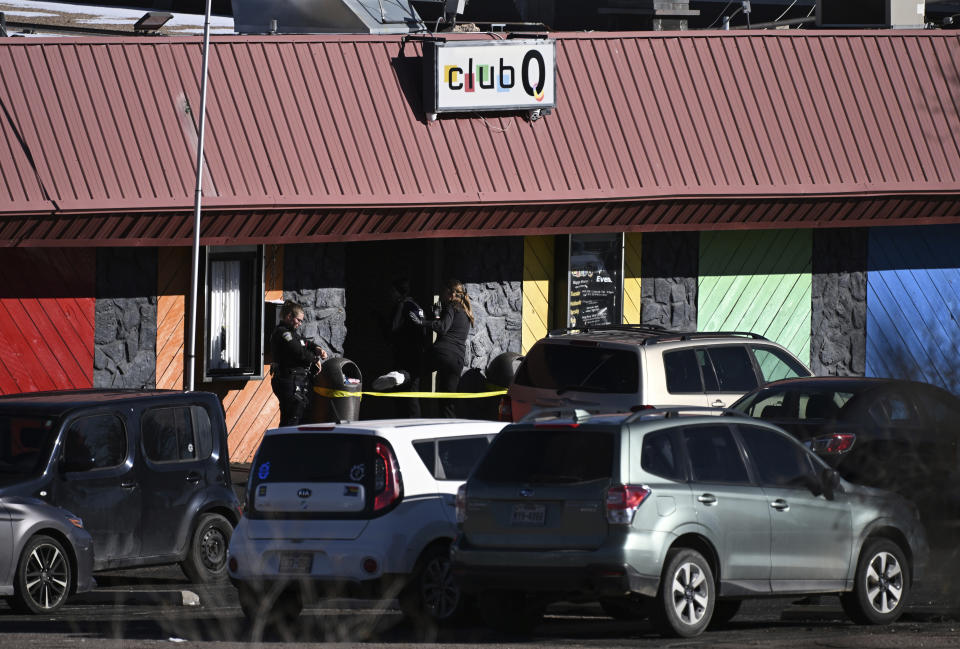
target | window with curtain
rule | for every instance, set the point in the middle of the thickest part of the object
(234, 315)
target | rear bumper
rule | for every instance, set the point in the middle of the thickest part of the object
(548, 572)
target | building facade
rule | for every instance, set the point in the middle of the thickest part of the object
(799, 184)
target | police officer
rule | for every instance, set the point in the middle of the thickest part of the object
(293, 356)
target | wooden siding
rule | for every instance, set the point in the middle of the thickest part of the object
(173, 284)
(538, 269)
(631, 277)
(253, 408)
(47, 306)
(757, 281)
(913, 304)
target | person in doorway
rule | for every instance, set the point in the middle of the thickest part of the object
(293, 357)
(450, 348)
(409, 344)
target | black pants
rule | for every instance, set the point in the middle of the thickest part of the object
(448, 367)
(293, 393)
(409, 406)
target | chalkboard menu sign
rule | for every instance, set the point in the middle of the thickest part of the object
(595, 280)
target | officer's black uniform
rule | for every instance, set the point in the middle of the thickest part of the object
(293, 355)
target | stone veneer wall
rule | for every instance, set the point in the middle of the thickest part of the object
(314, 275)
(839, 302)
(491, 270)
(125, 331)
(668, 287)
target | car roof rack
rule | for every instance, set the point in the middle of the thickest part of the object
(694, 335)
(575, 415)
(672, 412)
(652, 329)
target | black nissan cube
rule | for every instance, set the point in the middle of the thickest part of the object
(147, 471)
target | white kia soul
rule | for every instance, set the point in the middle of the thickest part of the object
(361, 509)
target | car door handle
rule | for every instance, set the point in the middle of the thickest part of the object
(780, 505)
(707, 499)
(128, 485)
(193, 476)
(717, 404)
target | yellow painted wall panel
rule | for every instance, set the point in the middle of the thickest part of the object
(631, 277)
(538, 265)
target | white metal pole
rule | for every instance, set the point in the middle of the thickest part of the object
(195, 266)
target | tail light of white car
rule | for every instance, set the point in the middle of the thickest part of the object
(387, 483)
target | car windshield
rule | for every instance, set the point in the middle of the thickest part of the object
(580, 368)
(820, 403)
(25, 444)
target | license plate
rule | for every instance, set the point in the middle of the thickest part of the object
(528, 514)
(298, 563)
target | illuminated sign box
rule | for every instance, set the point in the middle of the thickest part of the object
(489, 76)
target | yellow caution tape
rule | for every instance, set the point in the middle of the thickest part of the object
(328, 392)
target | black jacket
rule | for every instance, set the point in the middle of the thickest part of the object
(452, 329)
(292, 352)
(407, 338)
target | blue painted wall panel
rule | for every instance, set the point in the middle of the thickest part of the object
(913, 304)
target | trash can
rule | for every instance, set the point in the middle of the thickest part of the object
(337, 388)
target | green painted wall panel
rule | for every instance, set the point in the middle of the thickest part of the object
(757, 281)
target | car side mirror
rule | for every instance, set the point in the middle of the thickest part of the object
(830, 480)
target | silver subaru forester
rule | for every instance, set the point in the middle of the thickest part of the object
(677, 515)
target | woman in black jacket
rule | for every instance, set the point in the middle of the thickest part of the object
(450, 348)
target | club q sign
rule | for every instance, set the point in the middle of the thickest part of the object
(489, 76)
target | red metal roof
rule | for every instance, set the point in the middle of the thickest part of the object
(323, 137)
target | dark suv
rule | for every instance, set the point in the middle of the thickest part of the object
(147, 471)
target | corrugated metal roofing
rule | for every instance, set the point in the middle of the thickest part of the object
(324, 137)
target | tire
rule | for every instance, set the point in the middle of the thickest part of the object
(687, 595)
(724, 610)
(44, 577)
(432, 595)
(627, 609)
(881, 585)
(206, 560)
(510, 611)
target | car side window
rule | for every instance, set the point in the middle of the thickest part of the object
(890, 408)
(714, 455)
(733, 367)
(169, 434)
(660, 457)
(779, 461)
(774, 364)
(452, 458)
(939, 410)
(682, 371)
(96, 442)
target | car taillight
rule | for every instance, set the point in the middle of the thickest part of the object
(833, 444)
(623, 502)
(505, 409)
(462, 503)
(387, 483)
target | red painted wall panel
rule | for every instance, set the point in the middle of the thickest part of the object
(47, 304)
